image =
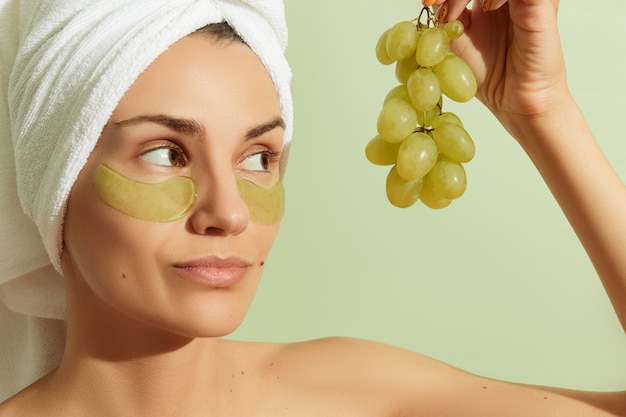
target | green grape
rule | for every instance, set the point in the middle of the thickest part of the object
(381, 50)
(402, 193)
(430, 199)
(454, 142)
(396, 121)
(399, 91)
(432, 46)
(448, 179)
(454, 29)
(381, 152)
(456, 78)
(425, 146)
(424, 89)
(446, 117)
(417, 155)
(405, 67)
(401, 40)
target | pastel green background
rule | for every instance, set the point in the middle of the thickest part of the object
(496, 284)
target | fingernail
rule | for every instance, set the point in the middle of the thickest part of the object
(428, 3)
(442, 13)
(486, 5)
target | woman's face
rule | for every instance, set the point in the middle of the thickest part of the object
(203, 110)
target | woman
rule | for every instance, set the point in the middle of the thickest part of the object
(202, 130)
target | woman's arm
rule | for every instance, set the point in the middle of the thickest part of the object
(588, 190)
(515, 52)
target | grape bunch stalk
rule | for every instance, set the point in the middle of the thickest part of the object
(425, 146)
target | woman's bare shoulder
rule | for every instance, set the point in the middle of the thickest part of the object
(5, 407)
(374, 375)
(345, 353)
(19, 404)
(403, 382)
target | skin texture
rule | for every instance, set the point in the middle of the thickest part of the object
(142, 342)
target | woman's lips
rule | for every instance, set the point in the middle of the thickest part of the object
(214, 272)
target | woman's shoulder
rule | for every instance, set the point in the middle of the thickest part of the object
(397, 381)
(19, 404)
(336, 352)
(378, 375)
(346, 352)
(5, 407)
(332, 376)
(32, 400)
(339, 372)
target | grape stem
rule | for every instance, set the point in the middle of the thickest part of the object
(428, 21)
(425, 128)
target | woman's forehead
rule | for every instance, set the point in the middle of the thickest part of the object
(199, 78)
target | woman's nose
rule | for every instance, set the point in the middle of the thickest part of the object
(219, 209)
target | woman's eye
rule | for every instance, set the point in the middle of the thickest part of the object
(165, 156)
(261, 161)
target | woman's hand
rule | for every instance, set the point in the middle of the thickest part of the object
(515, 52)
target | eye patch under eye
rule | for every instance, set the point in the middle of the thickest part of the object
(172, 199)
(166, 201)
(266, 205)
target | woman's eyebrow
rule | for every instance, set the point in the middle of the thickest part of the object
(190, 127)
(263, 128)
(183, 126)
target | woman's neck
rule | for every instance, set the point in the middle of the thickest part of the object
(121, 366)
(130, 377)
(168, 381)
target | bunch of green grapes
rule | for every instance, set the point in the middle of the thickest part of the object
(426, 146)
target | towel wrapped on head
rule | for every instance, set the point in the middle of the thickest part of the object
(64, 66)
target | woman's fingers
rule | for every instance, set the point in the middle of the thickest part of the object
(492, 4)
(453, 8)
(449, 9)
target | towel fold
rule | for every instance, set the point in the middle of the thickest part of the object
(64, 66)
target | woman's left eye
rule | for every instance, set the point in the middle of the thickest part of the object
(166, 156)
(261, 161)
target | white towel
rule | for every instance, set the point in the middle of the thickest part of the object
(64, 66)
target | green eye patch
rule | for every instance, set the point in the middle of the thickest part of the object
(165, 201)
(266, 205)
(172, 199)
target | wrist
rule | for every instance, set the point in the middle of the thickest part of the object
(544, 131)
